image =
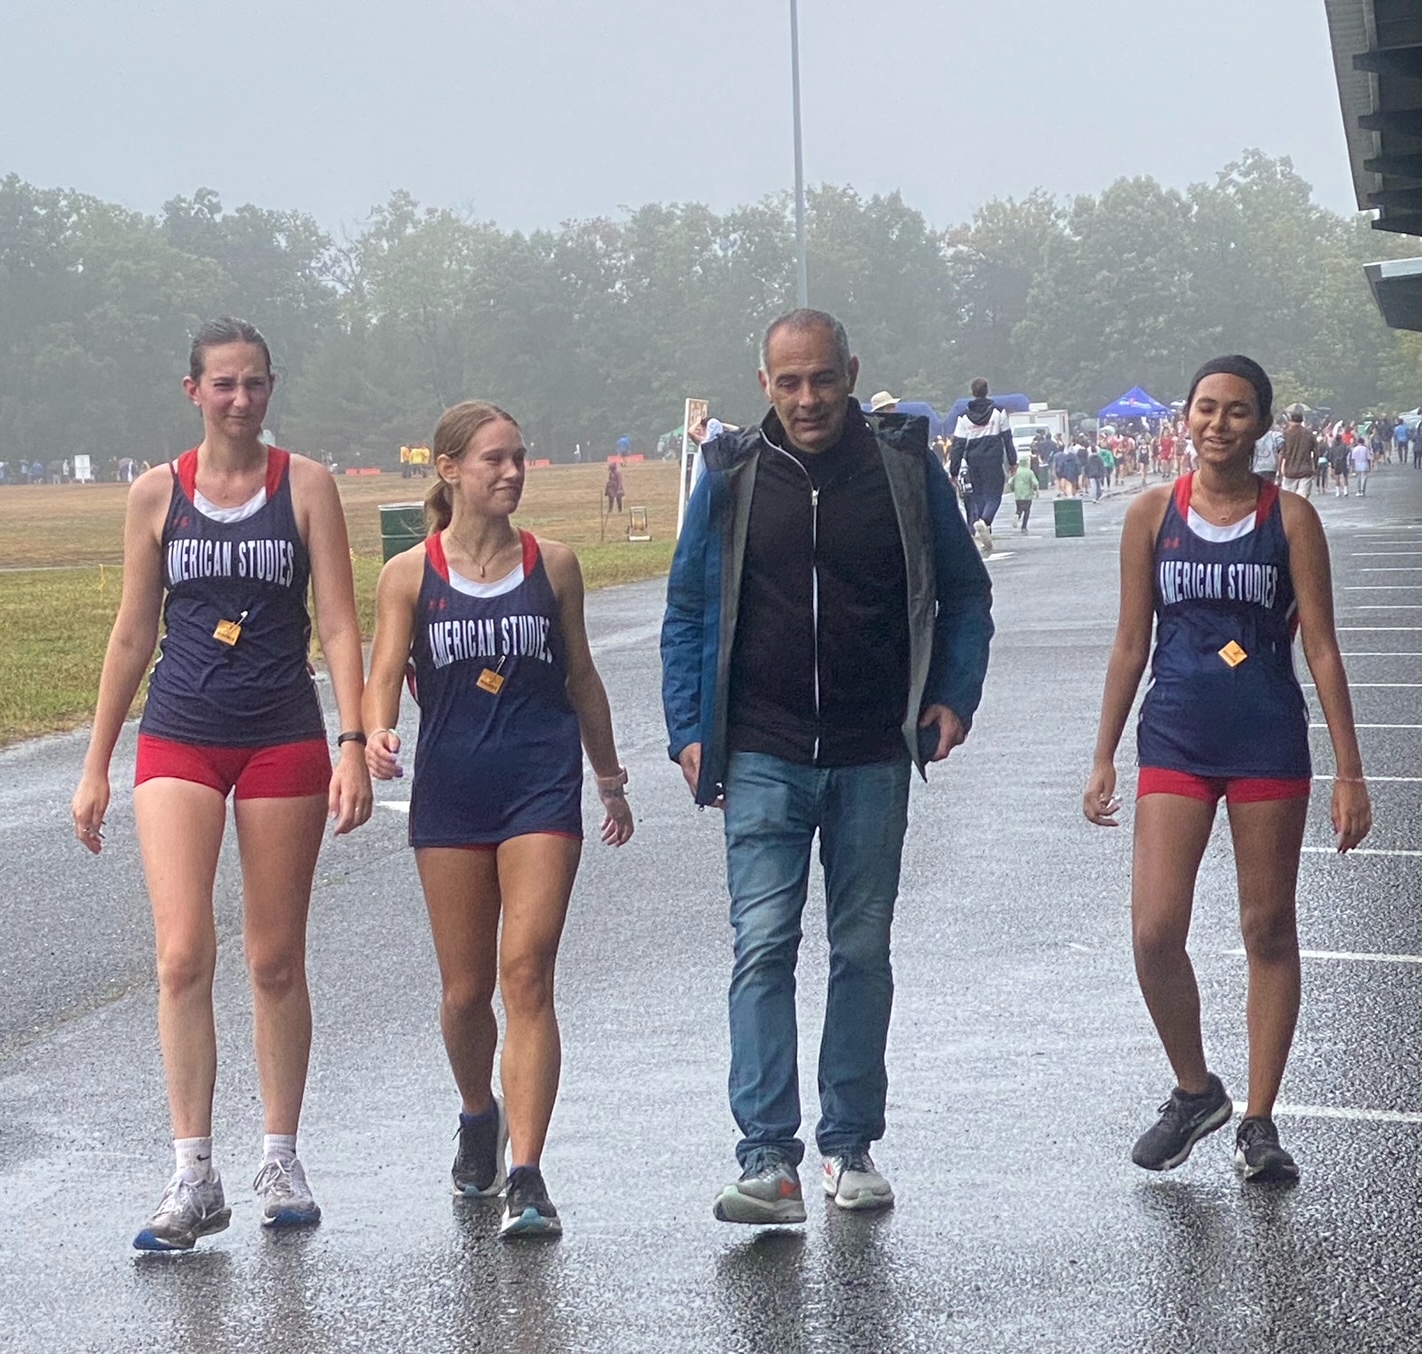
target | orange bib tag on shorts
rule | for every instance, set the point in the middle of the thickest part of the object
(1233, 654)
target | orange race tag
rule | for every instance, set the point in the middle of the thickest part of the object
(1233, 654)
(228, 632)
(491, 681)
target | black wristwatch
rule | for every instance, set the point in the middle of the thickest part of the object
(351, 736)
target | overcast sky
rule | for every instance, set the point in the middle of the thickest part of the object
(532, 112)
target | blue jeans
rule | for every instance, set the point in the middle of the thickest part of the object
(773, 809)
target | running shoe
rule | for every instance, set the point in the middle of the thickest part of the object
(984, 534)
(853, 1181)
(285, 1195)
(1259, 1156)
(1184, 1120)
(479, 1171)
(192, 1206)
(768, 1192)
(528, 1211)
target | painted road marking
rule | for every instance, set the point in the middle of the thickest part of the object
(1373, 726)
(397, 805)
(1391, 569)
(1383, 653)
(1357, 851)
(1390, 780)
(1334, 1112)
(1372, 686)
(1389, 606)
(1381, 587)
(1388, 554)
(1377, 630)
(1351, 955)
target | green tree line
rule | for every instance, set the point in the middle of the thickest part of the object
(602, 327)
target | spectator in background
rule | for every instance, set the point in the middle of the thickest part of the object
(1360, 459)
(1266, 455)
(612, 491)
(1298, 455)
(1024, 489)
(983, 438)
(881, 402)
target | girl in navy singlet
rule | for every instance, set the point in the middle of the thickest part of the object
(1226, 568)
(489, 622)
(225, 542)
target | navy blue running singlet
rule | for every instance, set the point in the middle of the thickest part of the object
(232, 666)
(1224, 700)
(499, 752)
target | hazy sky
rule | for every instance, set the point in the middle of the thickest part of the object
(531, 112)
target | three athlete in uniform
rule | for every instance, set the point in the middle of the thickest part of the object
(489, 621)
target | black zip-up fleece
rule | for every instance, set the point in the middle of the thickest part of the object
(863, 637)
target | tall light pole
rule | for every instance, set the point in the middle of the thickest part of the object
(802, 277)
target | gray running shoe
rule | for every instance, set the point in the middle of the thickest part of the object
(767, 1193)
(1258, 1154)
(192, 1206)
(285, 1195)
(853, 1181)
(479, 1170)
(528, 1211)
(1184, 1120)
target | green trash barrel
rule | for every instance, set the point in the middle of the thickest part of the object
(401, 526)
(1067, 515)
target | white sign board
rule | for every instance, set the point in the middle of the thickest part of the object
(83, 469)
(696, 413)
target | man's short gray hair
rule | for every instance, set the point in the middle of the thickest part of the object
(800, 320)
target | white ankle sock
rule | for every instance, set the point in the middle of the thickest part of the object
(193, 1154)
(278, 1146)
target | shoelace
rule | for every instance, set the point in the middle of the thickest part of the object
(855, 1161)
(276, 1177)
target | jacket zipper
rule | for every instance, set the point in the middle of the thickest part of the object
(814, 576)
(815, 597)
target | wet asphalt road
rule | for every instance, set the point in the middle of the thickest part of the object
(1022, 1062)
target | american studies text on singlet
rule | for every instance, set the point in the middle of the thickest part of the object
(232, 666)
(1220, 593)
(499, 753)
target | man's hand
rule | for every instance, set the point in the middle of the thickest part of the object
(950, 729)
(690, 761)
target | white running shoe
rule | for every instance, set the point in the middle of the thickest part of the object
(984, 534)
(285, 1195)
(854, 1182)
(192, 1206)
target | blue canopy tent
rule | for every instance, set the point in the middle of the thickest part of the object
(1135, 403)
(936, 421)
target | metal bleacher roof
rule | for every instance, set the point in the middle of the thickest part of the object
(1377, 59)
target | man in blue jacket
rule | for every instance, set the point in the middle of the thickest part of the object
(827, 628)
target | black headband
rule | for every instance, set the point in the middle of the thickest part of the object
(1247, 369)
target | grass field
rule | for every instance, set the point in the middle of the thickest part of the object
(60, 575)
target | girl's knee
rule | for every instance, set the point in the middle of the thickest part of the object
(1270, 934)
(526, 984)
(275, 973)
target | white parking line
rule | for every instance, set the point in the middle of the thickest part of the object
(1381, 587)
(1388, 554)
(1357, 851)
(1334, 1112)
(1383, 653)
(1350, 955)
(1373, 726)
(1391, 569)
(1389, 780)
(1390, 606)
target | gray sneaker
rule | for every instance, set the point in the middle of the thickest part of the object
(479, 1170)
(768, 1192)
(853, 1181)
(192, 1206)
(285, 1195)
